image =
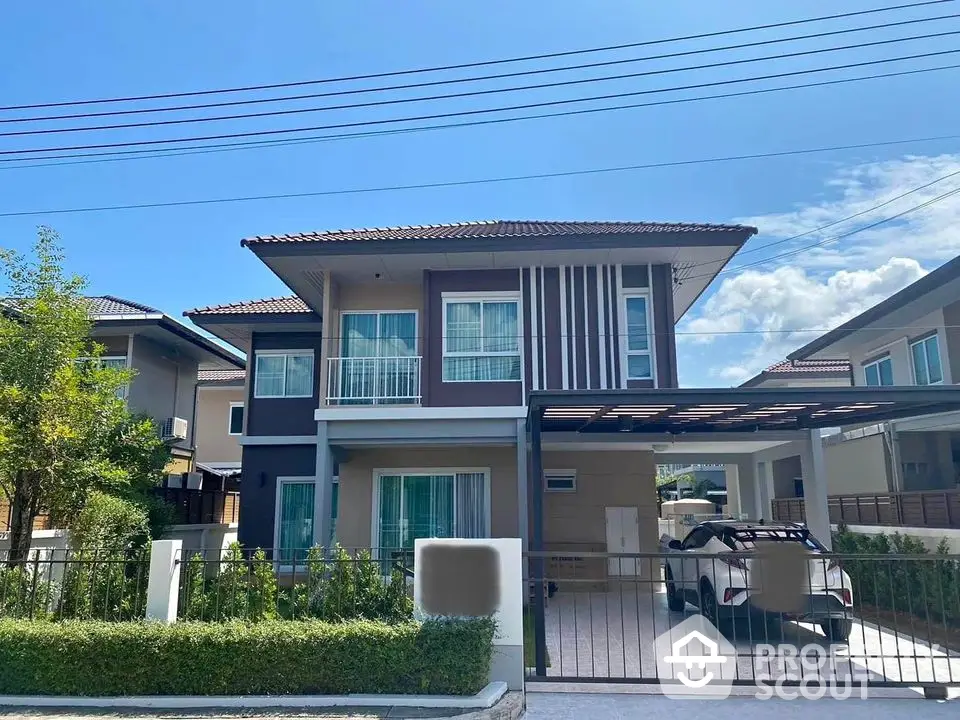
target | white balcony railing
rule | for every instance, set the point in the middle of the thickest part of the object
(373, 380)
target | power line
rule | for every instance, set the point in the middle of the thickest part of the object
(892, 200)
(463, 113)
(835, 238)
(487, 181)
(500, 76)
(483, 63)
(150, 153)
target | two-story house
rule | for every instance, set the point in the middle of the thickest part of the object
(398, 375)
(911, 338)
(220, 407)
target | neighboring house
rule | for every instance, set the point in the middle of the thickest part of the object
(409, 398)
(220, 406)
(677, 481)
(804, 373)
(911, 338)
(167, 357)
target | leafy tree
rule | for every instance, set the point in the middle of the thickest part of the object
(701, 488)
(58, 405)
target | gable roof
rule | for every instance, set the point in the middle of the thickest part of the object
(274, 305)
(101, 305)
(801, 369)
(928, 283)
(211, 377)
(494, 229)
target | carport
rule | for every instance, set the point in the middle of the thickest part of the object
(754, 424)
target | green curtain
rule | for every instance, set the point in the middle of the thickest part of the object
(296, 520)
(390, 512)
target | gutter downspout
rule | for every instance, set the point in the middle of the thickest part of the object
(893, 444)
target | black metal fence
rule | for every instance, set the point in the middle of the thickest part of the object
(332, 584)
(59, 584)
(892, 619)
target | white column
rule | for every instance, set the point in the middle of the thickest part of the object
(765, 490)
(163, 582)
(733, 490)
(815, 488)
(507, 664)
(523, 518)
(323, 489)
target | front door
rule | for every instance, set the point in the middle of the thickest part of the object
(623, 536)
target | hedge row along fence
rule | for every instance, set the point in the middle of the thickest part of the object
(450, 657)
(925, 587)
(237, 585)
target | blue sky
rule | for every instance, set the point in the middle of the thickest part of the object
(179, 258)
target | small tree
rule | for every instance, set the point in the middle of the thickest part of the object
(57, 411)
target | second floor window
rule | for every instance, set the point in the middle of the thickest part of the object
(879, 372)
(926, 361)
(481, 339)
(284, 374)
(639, 365)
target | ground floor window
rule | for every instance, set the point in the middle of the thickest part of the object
(295, 515)
(430, 505)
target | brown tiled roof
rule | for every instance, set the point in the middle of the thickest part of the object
(278, 305)
(809, 366)
(211, 376)
(495, 228)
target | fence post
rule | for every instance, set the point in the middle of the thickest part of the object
(163, 583)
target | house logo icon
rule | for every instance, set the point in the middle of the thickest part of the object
(694, 659)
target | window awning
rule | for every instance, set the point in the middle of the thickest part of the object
(731, 410)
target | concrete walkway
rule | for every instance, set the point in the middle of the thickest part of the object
(611, 634)
(575, 706)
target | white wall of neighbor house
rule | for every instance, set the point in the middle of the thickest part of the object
(896, 344)
(857, 465)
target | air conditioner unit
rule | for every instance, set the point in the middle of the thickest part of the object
(174, 428)
(193, 480)
(175, 480)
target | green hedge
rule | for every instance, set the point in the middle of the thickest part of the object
(267, 658)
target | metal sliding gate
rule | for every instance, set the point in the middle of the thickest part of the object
(596, 617)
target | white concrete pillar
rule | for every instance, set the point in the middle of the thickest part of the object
(163, 582)
(733, 490)
(323, 490)
(815, 488)
(765, 490)
(507, 664)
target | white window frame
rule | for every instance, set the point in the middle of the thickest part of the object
(378, 313)
(288, 480)
(230, 419)
(124, 390)
(885, 358)
(482, 297)
(625, 351)
(301, 352)
(913, 363)
(380, 472)
(558, 474)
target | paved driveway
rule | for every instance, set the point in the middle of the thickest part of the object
(611, 634)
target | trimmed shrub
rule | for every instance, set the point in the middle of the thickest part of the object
(267, 658)
(927, 587)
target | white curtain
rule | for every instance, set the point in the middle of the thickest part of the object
(481, 328)
(471, 505)
(299, 375)
(270, 372)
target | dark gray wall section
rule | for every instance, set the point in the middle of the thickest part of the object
(479, 394)
(284, 416)
(262, 465)
(593, 328)
(526, 286)
(635, 276)
(579, 331)
(951, 321)
(665, 338)
(551, 302)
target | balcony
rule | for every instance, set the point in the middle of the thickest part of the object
(373, 380)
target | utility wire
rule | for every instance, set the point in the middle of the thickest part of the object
(510, 178)
(483, 63)
(835, 238)
(150, 153)
(551, 103)
(500, 76)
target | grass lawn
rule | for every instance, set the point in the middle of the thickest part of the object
(529, 655)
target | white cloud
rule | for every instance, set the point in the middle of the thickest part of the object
(786, 308)
(818, 288)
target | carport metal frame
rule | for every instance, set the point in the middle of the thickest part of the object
(720, 413)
